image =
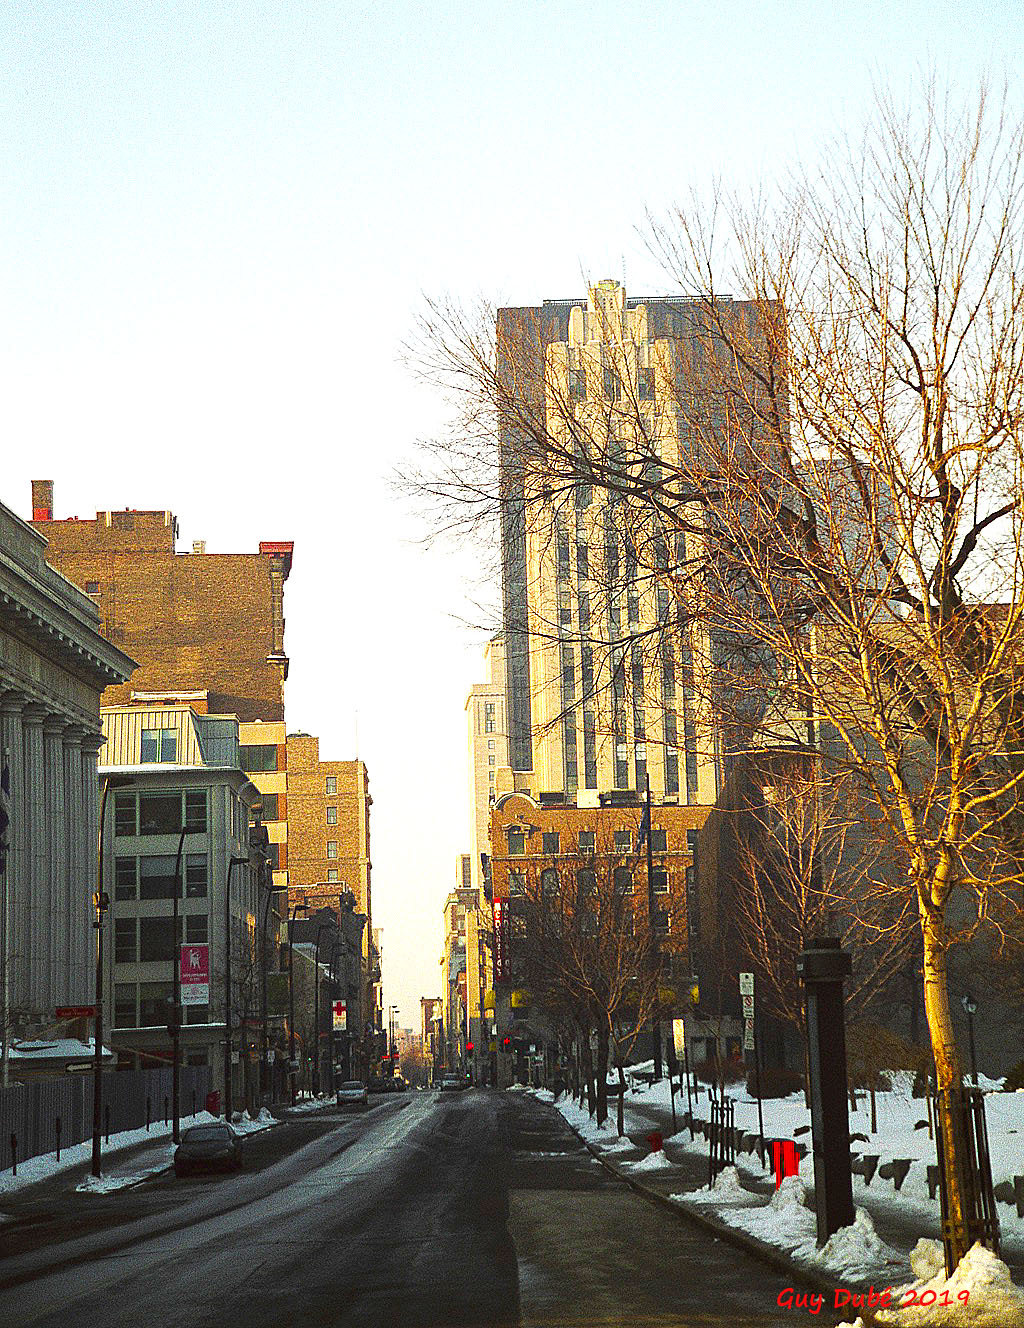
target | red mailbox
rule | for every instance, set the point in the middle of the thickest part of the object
(785, 1159)
(213, 1103)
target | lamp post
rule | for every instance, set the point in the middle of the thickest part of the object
(971, 1009)
(271, 891)
(175, 1025)
(228, 1096)
(316, 1007)
(101, 900)
(655, 947)
(291, 998)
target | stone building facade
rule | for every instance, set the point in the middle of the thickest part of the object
(487, 735)
(193, 621)
(54, 665)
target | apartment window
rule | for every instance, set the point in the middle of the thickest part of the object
(125, 878)
(156, 938)
(645, 382)
(124, 1004)
(92, 587)
(622, 879)
(623, 841)
(125, 818)
(332, 784)
(659, 881)
(195, 811)
(332, 816)
(126, 950)
(586, 884)
(332, 873)
(659, 842)
(154, 1003)
(490, 760)
(516, 883)
(267, 807)
(550, 842)
(612, 384)
(516, 841)
(549, 883)
(662, 920)
(577, 384)
(490, 744)
(196, 877)
(159, 813)
(586, 841)
(258, 757)
(332, 848)
(156, 877)
(158, 745)
(488, 716)
(196, 928)
(274, 856)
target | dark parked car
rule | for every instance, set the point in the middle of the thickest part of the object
(208, 1148)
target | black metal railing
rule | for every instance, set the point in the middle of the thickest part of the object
(721, 1136)
(964, 1107)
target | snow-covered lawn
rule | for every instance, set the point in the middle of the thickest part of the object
(117, 1176)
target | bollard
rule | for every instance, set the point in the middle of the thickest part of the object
(56, 1129)
(106, 1121)
(149, 1109)
(166, 1105)
(193, 1103)
(14, 1154)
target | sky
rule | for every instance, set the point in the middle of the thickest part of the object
(219, 221)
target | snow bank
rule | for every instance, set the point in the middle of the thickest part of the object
(652, 1162)
(992, 1299)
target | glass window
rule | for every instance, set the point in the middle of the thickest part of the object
(257, 756)
(659, 842)
(516, 883)
(645, 383)
(489, 725)
(577, 384)
(490, 760)
(195, 811)
(158, 745)
(156, 938)
(490, 744)
(516, 841)
(124, 814)
(125, 885)
(197, 1014)
(550, 842)
(332, 848)
(623, 841)
(586, 883)
(156, 877)
(622, 879)
(274, 856)
(159, 813)
(332, 784)
(154, 1003)
(196, 876)
(549, 882)
(124, 1005)
(659, 881)
(267, 807)
(196, 928)
(332, 873)
(92, 587)
(332, 816)
(125, 946)
(587, 841)
(662, 921)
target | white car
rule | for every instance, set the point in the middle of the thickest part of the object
(352, 1094)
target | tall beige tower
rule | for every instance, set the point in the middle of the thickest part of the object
(488, 750)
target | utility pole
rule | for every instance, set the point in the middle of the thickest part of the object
(101, 902)
(228, 1086)
(175, 1026)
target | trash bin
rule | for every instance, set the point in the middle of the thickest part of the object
(213, 1103)
(656, 1141)
(785, 1159)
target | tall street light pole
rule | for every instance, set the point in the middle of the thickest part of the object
(971, 1009)
(228, 1086)
(102, 902)
(655, 948)
(291, 998)
(175, 1028)
(264, 1039)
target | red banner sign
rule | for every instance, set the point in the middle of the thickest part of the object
(195, 975)
(500, 941)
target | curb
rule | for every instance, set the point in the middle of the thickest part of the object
(741, 1240)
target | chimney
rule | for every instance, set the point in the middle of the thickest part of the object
(42, 500)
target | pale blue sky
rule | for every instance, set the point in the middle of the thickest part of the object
(216, 225)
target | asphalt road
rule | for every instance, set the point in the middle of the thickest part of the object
(432, 1211)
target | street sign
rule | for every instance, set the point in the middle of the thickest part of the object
(748, 1035)
(746, 984)
(748, 1007)
(75, 1012)
(195, 975)
(678, 1037)
(340, 1010)
(74, 1066)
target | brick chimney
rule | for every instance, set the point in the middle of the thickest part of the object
(42, 500)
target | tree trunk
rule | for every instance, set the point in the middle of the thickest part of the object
(588, 1075)
(947, 1070)
(602, 1074)
(622, 1098)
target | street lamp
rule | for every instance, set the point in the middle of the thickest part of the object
(271, 891)
(175, 1026)
(971, 1009)
(228, 1103)
(299, 903)
(316, 1007)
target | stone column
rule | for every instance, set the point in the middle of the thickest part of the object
(35, 902)
(15, 941)
(91, 746)
(76, 913)
(51, 972)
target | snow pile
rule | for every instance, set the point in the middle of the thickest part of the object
(652, 1162)
(992, 1299)
(728, 1191)
(616, 1146)
(544, 1095)
(858, 1252)
(123, 1180)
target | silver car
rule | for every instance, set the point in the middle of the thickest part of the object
(352, 1094)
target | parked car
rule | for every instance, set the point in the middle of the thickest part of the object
(208, 1148)
(352, 1093)
(378, 1084)
(452, 1083)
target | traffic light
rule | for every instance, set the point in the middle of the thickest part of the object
(506, 1044)
(469, 1046)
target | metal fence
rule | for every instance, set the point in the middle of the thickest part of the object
(41, 1117)
(721, 1137)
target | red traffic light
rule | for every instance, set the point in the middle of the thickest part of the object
(506, 1043)
(469, 1046)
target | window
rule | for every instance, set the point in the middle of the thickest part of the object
(258, 757)
(659, 842)
(156, 938)
(124, 814)
(156, 877)
(196, 928)
(550, 842)
(645, 382)
(332, 848)
(159, 813)
(126, 949)
(488, 716)
(195, 811)
(154, 1003)
(516, 841)
(662, 921)
(332, 783)
(549, 883)
(587, 841)
(490, 760)
(332, 816)
(332, 873)
(586, 885)
(124, 1005)
(92, 587)
(516, 883)
(158, 745)
(490, 744)
(659, 881)
(622, 879)
(623, 841)
(125, 883)
(274, 856)
(577, 384)
(196, 879)
(612, 384)
(197, 1014)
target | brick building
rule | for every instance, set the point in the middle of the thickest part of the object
(193, 621)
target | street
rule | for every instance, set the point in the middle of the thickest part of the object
(466, 1209)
